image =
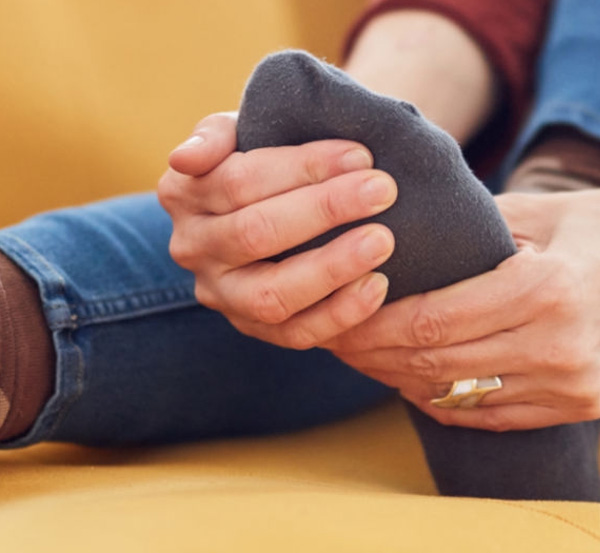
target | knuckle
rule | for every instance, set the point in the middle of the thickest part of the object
(268, 306)
(167, 192)
(427, 365)
(181, 252)
(343, 318)
(426, 326)
(330, 208)
(254, 232)
(560, 291)
(554, 356)
(335, 273)
(236, 179)
(316, 166)
(564, 355)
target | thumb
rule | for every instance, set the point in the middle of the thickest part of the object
(213, 139)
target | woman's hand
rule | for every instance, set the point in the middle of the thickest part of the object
(534, 321)
(232, 210)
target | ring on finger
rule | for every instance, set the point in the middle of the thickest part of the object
(467, 394)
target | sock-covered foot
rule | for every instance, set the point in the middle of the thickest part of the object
(556, 463)
(26, 352)
(445, 223)
(552, 463)
(447, 228)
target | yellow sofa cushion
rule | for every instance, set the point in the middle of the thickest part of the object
(95, 94)
(356, 486)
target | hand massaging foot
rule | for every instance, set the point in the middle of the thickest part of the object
(447, 228)
(445, 222)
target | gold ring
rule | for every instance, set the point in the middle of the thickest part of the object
(466, 394)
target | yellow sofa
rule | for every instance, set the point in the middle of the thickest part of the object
(93, 96)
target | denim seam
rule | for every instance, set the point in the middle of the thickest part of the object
(77, 312)
(72, 398)
(119, 314)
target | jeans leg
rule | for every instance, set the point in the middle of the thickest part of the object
(138, 360)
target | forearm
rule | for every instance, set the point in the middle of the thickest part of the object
(427, 59)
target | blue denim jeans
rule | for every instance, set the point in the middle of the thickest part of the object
(139, 361)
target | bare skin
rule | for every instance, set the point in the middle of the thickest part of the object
(533, 320)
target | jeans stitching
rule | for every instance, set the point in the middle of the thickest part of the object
(75, 310)
(70, 399)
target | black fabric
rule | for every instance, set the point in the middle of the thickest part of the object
(447, 228)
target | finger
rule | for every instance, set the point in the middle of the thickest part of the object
(502, 299)
(502, 353)
(246, 178)
(213, 139)
(498, 418)
(273, 292)
(347, 307)
(272, 226)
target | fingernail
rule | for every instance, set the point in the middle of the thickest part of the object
(379, 191)
(357, 159)
(374, 287)
(192, 142)
(374, 245)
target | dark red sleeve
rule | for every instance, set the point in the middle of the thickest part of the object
(510, 33)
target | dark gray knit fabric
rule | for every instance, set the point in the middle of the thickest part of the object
(447, 228)
(556, 463)
(445, 222)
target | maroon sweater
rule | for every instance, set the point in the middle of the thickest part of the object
(510, 33)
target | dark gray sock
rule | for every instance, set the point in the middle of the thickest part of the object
(447, 228)
(445, 222)
(556, 463)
